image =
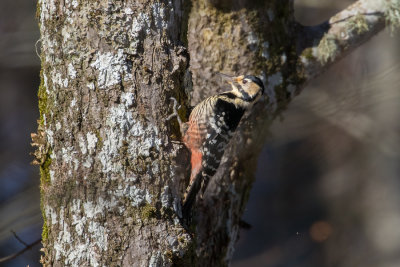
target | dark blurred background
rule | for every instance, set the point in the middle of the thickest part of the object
(19, 80)
(327, 191)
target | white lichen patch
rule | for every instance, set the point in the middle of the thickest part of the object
(58, 126)
(66, 34)
(120, 118)
(63, 239)
(82, 144)
(99, 234)
(138, 197)
(58, 79)
(74, 3)
(51, 215)
(148, 197)
(44, 120)
(165, 197)
(93, 234)
(47, 9)
(252, 39)
(50, 137)
(77, 220)
(128, 99)
(156, 259)
(128, 11)
(45, 83)
(65, 82)
(76, 163)
(67, 154)
(91, 141)
(173, 242)
(73, 103)
(159, 16)
(119, 122)
(140, 23)
(111, 68)
(52, 175)
(91, 85)
(91, 209)
(155, 168)
(88, 163)
(71, 71)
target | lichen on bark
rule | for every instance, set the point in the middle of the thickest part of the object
(239, 38)
(113, 169)
(108, 72)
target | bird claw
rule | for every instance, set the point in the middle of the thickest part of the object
(175, 113)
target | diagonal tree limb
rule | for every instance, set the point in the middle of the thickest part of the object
(322, 45)
(19, 239)
(22, 251)
(291, 55)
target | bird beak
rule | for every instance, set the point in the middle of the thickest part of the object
(230, 79)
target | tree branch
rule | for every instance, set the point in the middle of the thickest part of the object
(322, 45)
(19, 239)
(27, 246)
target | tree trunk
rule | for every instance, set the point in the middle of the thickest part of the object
(110, 191)
(239, 37)
(113, 169)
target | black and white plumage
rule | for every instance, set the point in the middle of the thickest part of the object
(211, 126)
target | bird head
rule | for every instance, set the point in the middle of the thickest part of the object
(246, 87)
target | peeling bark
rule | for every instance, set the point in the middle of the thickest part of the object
(112, 167)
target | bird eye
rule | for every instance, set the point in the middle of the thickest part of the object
(244, 81)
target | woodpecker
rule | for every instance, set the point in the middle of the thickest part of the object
(210, 127)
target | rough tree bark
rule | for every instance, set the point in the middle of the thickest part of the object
(109, 188)
(112, 167)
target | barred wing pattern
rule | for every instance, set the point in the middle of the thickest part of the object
(210, 127)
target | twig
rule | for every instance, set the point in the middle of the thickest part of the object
(322, 45)
(36, 48)
(19, 239)
(27, 246)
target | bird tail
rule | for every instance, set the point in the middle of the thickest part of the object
(191, 196)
